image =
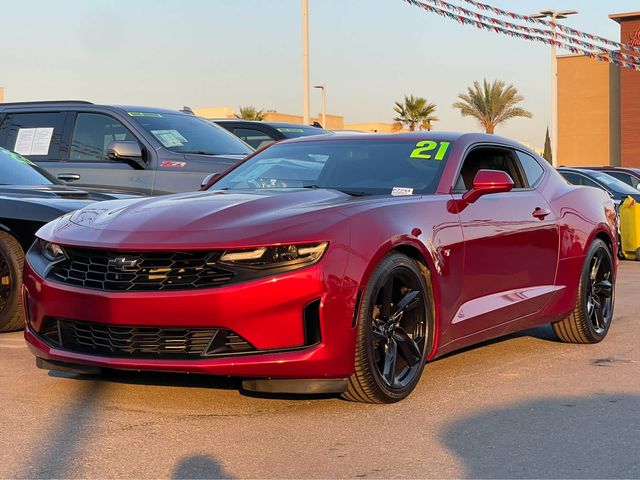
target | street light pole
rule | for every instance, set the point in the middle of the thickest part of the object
(323, 87)
(554, 15)
(305, 61)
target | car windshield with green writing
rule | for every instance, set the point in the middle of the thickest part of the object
(357, 167)
(17, 170)
(183, 133)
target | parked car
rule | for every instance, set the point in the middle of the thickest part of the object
(325, 264)
(260, 134)
(147, 150)
(628, 175)
(29, 198)
(617, 189)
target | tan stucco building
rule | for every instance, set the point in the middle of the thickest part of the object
(599, 107)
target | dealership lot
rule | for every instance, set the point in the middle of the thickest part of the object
(521, 406)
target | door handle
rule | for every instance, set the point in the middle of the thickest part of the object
(68, 177)
(540, 213)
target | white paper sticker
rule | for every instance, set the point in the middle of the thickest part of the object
(169, 138)
(33, 141)
(399, 191)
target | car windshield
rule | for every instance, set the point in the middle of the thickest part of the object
(613, 183)
(357, 167)
(294, 131)
(17, 170)
(184, 133)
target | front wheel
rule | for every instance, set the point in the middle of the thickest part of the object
(590, 320)
(393, 332)
(11, 260)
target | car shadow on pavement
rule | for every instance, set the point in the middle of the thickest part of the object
(199, 466)
(565, 437)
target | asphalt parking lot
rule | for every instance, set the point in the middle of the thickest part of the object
(522, 406)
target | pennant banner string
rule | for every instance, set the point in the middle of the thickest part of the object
(568, 30)
(537, 31)
(600, 56)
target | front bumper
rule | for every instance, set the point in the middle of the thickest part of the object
(267, 313)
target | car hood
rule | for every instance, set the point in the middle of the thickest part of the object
(205, 218)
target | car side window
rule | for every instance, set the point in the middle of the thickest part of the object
(625, 177)
(253, 137)
(91, 135)
(488, 158)
(577, 179)
(532, 170)
(36, 136)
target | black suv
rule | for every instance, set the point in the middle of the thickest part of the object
(260, 134)
(148, 150)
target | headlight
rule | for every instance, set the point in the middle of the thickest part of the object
(51, 251)
(276, 256)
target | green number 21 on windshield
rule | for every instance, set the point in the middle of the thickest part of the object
(429, 146)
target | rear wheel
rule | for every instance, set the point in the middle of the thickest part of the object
(393, 332)
(590, 320)
(11, 261)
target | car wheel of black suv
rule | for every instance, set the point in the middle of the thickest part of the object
(11, 260)
(393, 332)
(590, 320)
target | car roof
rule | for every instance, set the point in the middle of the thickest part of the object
(261, 122)
(41, 105)
(467, 138)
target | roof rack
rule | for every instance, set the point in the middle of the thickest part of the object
(45, 102)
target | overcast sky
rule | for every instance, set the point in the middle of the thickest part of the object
(247, 52)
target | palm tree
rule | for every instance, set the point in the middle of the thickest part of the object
(491, 103)
(251, 113)
(414, 112)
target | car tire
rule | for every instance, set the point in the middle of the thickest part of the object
(11, 261)
(590, 320)
(395, 320)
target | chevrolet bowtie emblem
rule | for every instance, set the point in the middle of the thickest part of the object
(123, 264)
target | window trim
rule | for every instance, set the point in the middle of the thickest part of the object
(511, 150)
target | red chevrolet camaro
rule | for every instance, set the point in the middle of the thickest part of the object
(327, 264)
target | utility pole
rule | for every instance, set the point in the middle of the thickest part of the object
(323, 87)
(554, 15)
(305, 61)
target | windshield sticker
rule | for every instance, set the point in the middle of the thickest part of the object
(430, 146)
(169, 138)
(400, 191)
(144, 114)
(168, 164)
(291, 130)
(33, 141)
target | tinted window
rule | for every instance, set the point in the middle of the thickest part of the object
(33, 135)
(18, 170)
(367, 167)
(255, 138)
(613, 183)
(577, 179)
(626, 178)
(189, 134)
(532, 169)
(91, 135)
(485, 158)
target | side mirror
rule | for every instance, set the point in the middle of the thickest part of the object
(127, 152)
(485, 182)
(210, 180)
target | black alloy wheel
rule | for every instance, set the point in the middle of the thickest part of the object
(394, 323)
(11, 261)
(590, 320)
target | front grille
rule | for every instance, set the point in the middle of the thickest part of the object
(140, 271)
(142, 342)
